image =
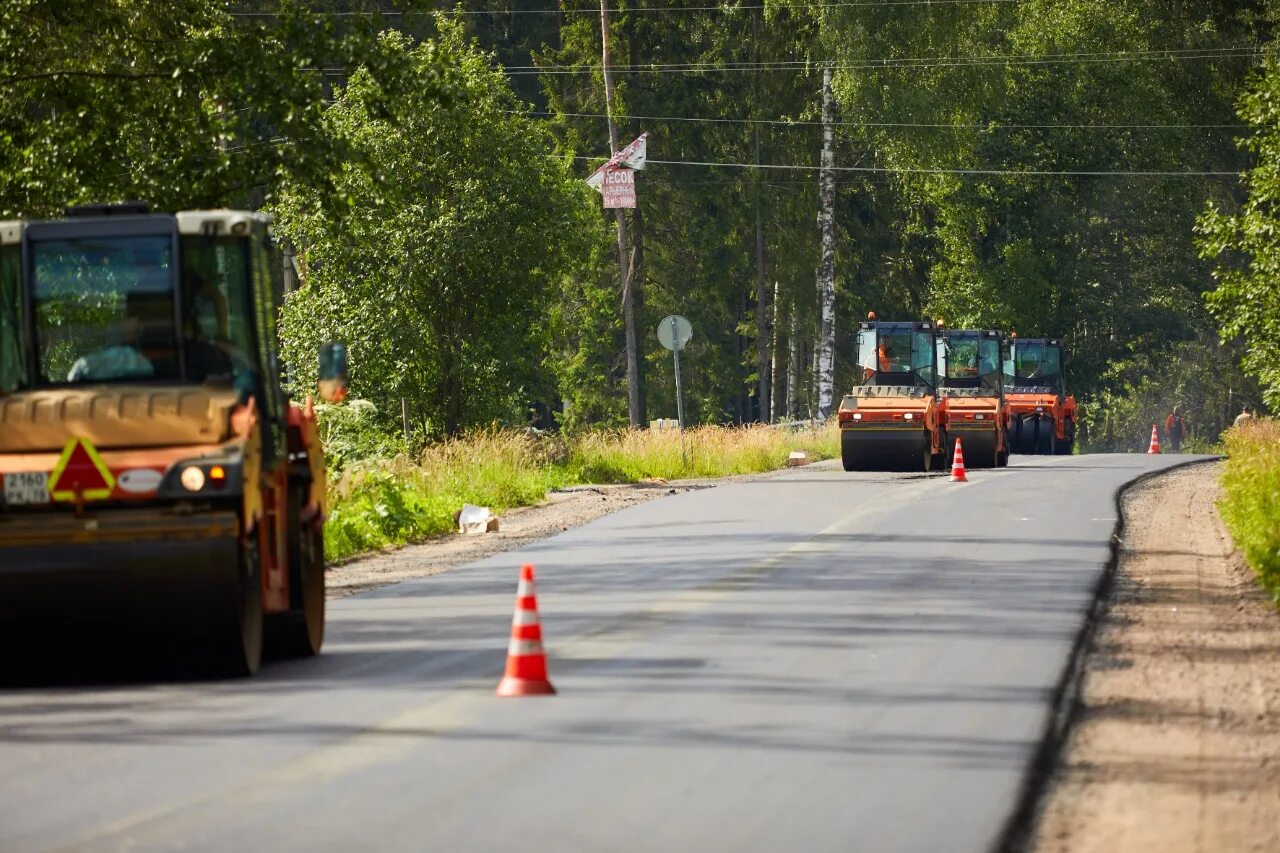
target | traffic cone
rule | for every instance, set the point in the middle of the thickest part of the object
(526, 661)
(1155, 441)
(957, 465)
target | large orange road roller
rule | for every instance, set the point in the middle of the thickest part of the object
(892, 420)
(970, 388)
(1042, 416)
(155, 478)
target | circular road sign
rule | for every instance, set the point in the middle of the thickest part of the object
(674, 332)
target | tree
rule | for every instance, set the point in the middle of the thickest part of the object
(1246, 244)
(441, 272)
(179, 103)
(1033, 89)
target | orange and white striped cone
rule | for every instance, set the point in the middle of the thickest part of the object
(957, 465)
(526, 661)
(1155, 441)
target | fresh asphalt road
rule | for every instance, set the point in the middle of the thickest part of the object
(818, 661)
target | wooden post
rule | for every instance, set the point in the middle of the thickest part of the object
(628, 298)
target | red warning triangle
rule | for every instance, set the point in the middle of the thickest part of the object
(80, 474)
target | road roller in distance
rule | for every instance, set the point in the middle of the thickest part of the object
(971, 391)
(156, 480)
(892, 420)
(1042, 416)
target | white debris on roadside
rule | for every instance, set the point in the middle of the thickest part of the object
(797, 458)
(475, 519)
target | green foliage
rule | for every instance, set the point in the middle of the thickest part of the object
(1250, 503)
(174, 102)
(379, 503)
(1246, 244)
(694, 226)
(1104, 261)
(1200, 377)
(626, 456)
(441, 272)
(351, 432)
(476, 278)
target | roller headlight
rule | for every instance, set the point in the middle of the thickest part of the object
(218, 474)
(908, 416)
(857, 416)
(192, 478)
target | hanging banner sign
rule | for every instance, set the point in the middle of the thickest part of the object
(619, 188)
(634, 155)
(631, 157)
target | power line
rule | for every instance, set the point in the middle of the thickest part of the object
(1155, 173)
(854, 4)
(907, 62)
(1000, 57)
(977, 61)
(898, 124)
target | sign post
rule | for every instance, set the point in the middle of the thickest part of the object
(674, 332)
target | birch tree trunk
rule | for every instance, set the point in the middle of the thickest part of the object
(777, 373)
(826, 348)
(793, 366)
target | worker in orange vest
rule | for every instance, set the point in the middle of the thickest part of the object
(1174, 430)
(885, 356)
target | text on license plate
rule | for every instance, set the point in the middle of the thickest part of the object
(26, 487)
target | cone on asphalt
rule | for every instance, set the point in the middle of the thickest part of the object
(1155, 441)
(957, 465)
(526, 661)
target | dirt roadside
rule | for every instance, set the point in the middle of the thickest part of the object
(1177, 744)
(563, 509)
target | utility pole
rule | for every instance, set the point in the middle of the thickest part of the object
(826, 349)
(762, 304)
(765, 383)
(628, 298)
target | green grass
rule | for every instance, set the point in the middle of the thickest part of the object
(1250, 503)
(382, 503)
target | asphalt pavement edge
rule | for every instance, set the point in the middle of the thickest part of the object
(1065, 707)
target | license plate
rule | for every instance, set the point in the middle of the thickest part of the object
(26, 487)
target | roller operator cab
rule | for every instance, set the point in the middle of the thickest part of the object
(892, 420)
(1042, 417)
(156, 478)
(970, 390)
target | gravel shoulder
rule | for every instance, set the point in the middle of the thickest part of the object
(1177, 743)
(563, 509)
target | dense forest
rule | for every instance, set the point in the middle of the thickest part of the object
(1100, 170)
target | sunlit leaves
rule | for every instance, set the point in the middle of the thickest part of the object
(439, 269)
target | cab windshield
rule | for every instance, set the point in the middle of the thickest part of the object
(896, 356)
(1035, 364)
(970, 361)
(112, 309)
